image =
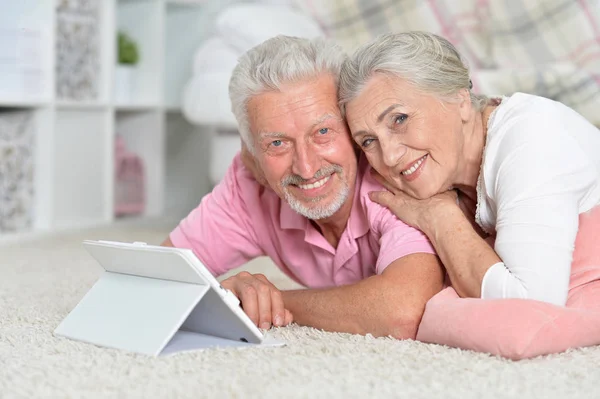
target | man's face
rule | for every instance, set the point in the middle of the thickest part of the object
(303, 146)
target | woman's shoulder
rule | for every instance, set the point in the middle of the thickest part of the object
(521, 110)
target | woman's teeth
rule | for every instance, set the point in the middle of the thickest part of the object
(316, 184)
(415, 166)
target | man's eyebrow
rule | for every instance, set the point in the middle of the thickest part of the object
(271, 135)
(280, 135)
(387, 110)
(323, 118)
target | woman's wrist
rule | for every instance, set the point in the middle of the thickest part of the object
(445, 222)
(442, 219)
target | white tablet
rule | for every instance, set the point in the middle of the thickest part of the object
(151, 293)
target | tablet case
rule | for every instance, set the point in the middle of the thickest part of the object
(157, 300)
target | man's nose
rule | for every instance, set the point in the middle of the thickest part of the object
(305, 162)
(392, 152)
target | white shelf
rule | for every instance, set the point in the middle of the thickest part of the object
(84, 105)
(185, 28)
(143, 22)
(74, 142)
(17, 103)
(137, 107)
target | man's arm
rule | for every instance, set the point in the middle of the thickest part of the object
(389, 304)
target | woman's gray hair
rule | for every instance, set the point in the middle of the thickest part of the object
(279, 60)
(427, 61)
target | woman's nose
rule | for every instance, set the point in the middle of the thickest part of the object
(392, 152)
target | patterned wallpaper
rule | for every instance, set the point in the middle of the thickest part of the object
(77, 49)
(16, 170)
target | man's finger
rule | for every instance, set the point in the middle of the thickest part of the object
(289, 318)
(277, 308)
(249, 300)
(264, 304)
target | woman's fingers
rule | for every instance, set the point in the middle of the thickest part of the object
(383, 182)
(382, 198)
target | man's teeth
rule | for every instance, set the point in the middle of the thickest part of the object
(416, 165)
(316, 184)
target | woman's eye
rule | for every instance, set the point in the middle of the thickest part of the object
(323, 130)
(366, 143)
(400, 118)
(276, 143)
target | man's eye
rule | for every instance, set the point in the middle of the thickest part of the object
(276, 143)
(323, 130)
(400, 118)
(366, 143)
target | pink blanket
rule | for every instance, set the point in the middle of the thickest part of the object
(521, 328)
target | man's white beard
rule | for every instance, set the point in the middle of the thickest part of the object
(318, 212)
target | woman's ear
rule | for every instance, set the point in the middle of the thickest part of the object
(465, 106)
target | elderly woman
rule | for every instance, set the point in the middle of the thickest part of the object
(506, 190)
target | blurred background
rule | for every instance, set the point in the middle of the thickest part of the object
(116, 110)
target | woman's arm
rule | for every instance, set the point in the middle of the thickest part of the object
(540, 175)
(466, 256)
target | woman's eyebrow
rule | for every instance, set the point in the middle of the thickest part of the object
(387, 111)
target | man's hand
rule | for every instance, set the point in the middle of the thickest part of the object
(260, 299)
(249, 162)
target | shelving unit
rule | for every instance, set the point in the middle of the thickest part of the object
(75, 117)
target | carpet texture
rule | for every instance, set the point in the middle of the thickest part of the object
(42, 279)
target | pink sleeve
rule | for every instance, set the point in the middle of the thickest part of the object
(398, 240)
(219, 230)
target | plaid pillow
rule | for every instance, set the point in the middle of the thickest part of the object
(354, 22)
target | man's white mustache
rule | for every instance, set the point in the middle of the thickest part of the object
(295, 179)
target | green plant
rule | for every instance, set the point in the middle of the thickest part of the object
(128, 50)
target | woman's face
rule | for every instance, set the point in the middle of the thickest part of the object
(414, 140)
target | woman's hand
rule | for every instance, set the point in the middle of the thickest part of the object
(421, 214)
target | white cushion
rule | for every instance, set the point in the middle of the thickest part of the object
(206, 100)
(244, 26)
(214, 55)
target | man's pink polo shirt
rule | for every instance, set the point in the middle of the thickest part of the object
(241, 220)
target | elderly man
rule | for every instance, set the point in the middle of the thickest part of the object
(366, 271)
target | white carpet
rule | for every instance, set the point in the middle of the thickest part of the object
(42, 280)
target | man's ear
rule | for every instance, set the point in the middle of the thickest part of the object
(465, 107)
(251, 163)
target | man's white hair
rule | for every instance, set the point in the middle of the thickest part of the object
(279, 60)
(429, 62)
